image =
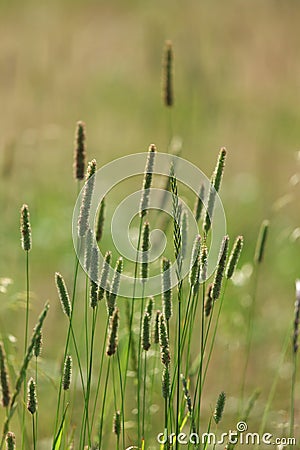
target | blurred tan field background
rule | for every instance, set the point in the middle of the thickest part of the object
(237, 84)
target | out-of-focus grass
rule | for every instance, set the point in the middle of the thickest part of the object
(237, 84)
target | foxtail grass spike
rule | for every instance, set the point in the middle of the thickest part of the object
(219, 407)
(166, 382)
(166, 289)
(149, 307)
(88, 190)
(215, 185)
(208, 300)
(114, 288)
(67, 373)
(79, 151)
(63, 294)
(100, 222)
(25, 229)
(199, 203)
(167, 75)
(156, 327)
(145, 249)
(31, 396)
(88, 249)
(4, 379)
(195, 261)
(94, 277)
(176, 211)
(146, 332)
(217, 284)
(187, 396)
(297, 318)
(203, 263)
(112, 343)
(104, 275)
(117, 423)
(234, 256)
(184, 232)
(10, 441)
(38, 345)
(261, 242)
(147, 181)
(164, 342)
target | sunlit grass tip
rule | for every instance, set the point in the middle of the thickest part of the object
(234, 256)
(86, 200)
(148, 174)
(217, 284)
(63, 294)
(26, 239)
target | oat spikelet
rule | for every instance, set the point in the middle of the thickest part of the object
(167, 74)
(25, 229)
(148, 173)
(79, 151)
(4, 379)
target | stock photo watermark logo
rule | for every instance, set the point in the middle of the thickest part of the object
(240, 436)
(98, 186)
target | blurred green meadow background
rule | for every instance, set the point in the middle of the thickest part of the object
(236, 83)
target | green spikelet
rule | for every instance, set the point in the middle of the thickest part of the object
(88, 250)
(104, 275)
(296, 318)
(63, 294)
(217, 284)
(203, 263)
(38, 345)
(184, 233)
(25, 229)
(10, 441)
(100, 222)
(199, 203)
(149, 307)
(219, 407)
(31, 396)
(146, 332)
(167, 75)
(94, 277)
(156, 327)
(261, 242)
(79, 151)
(147, 181)
(166, 288)
(164, 341)
(214, 189)
(208, 300)
(176, 212)
(67, 373)
(188, 399)
(85, 207)
(117, 423)
(4, 379)
(114, 289)
(234, 256)
(145, 248)
(166, 382)
(195, 261)
(113, 333)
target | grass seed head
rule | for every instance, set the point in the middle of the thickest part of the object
(86, 200)
(195, 261)
(148, 173)
(217, 284)
(297, 318)
(10, 441)
(31, 396)
(219, 407)
(234, 256)
(4, 379)
(166, 288)
(38, 345)
(117, 423)
(114, 288)
(25, 229)
(156, 327)
(261, 242)
(208, 300)
(67, 373)
(63, 294)
(100, 222)
(149, 307)
(113, 333)
(145, 248)
(79, 151)
(146, 332)
(104, 275)
(167, 74)
(166, 382)
(199, 203)
(164, 341)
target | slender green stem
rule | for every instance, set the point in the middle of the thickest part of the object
(122, 397)
(178, 363)
(36, 383)
(293, 383)
(139, 367)
(25, 345)
(103, 404)
(33, 433)
(144, 395)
